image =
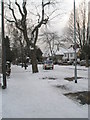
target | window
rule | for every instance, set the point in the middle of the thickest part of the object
(71, 54)
(65, 55)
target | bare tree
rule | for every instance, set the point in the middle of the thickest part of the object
(81, 25)
(50, 38)
(52, 41)
(81, 28)
(21, 24)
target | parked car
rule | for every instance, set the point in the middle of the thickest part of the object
(48, 64)
(69, 62)
(83, 62)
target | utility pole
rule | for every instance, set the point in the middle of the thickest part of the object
(3, 47)
(75, 44)
(89, 22)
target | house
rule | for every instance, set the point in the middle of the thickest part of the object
(58, 56)
(69, 54)
(65, 54)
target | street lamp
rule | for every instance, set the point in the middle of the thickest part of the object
(3, 47)
(75, 44)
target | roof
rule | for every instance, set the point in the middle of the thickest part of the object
(60, 52)
(66, 50)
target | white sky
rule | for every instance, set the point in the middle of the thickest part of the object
(65, 7)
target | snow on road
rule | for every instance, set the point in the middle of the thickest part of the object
(36, 96)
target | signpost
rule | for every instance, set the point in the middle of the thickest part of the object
(75, 44)
(3, 47)
(89, 22)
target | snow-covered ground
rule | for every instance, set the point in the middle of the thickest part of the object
(36, 95)
(0, 103)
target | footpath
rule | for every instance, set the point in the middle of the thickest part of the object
(28, 96)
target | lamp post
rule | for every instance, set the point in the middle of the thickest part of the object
(89, 22)
(3, 47)
(75, 44)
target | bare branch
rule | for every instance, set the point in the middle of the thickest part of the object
(24, 9)
(18, 26)
(9, 20)
(48, 3)
(19, 8)
(13, 13)
(36, 37)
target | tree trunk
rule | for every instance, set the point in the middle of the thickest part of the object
(25, 65)
(22, 56)
(86, 57)
(33, 54)
(34, 61)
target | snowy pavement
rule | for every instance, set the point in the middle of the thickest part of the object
(0, 103)
(36, 95)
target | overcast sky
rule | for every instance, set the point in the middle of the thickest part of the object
(57, 24)
(65, 8)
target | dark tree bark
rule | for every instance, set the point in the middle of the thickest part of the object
(86, 57)
(34, 61)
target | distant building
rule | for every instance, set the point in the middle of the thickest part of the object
(66, 54)
(69, 55)
(58, 56)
